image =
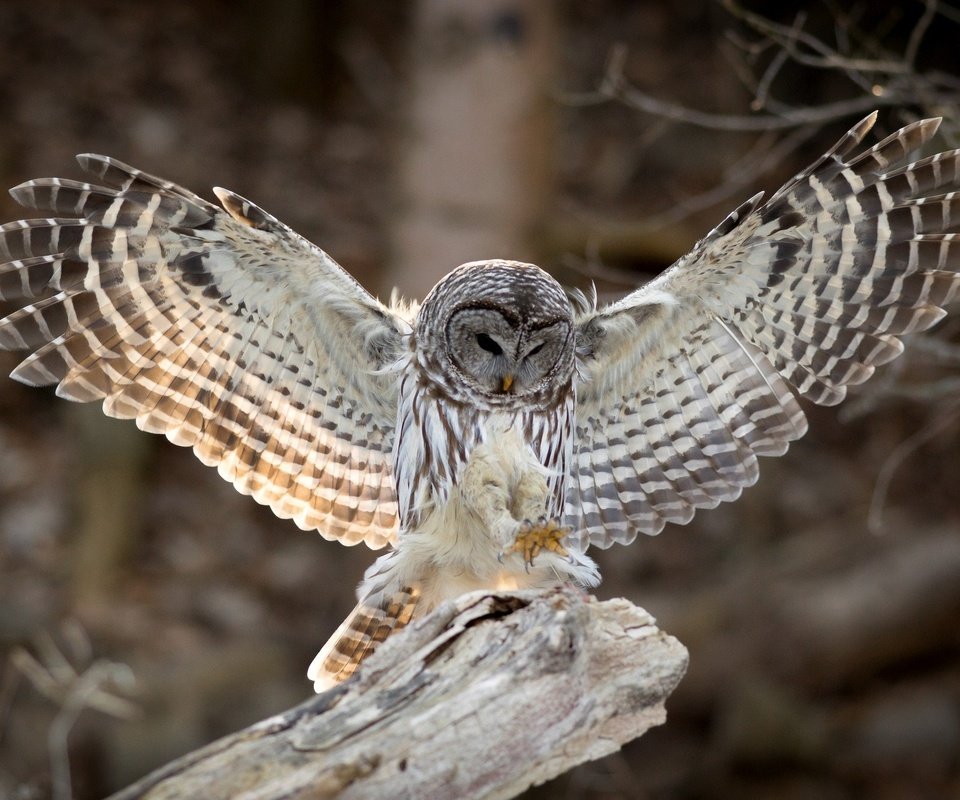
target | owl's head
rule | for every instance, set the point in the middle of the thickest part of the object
(502, 330)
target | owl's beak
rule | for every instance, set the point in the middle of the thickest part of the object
(507, 383)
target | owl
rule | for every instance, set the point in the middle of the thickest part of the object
(490, 435)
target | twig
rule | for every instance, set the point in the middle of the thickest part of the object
(901, 453)
(73, 690)
(744, 173)
(773, 68)
(788, 40)
(917, 34)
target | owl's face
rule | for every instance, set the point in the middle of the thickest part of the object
(497, 352)
(499, 331)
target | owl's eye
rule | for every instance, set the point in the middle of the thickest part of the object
(536, 349)
(489, 344)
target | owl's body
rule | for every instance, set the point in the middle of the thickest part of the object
(472, 467)
(458, 545)
(495, 433)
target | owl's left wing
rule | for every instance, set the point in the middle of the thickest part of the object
(221, 328)
(687, 380)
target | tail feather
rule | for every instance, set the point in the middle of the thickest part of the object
(376, 617)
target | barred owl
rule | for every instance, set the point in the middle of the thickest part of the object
(495, 432)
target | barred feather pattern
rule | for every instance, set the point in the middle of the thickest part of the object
(373, 620)
(688, 379)
(222, 329)
(434, 440)
(436, 435)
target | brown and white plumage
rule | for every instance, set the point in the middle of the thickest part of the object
(203, 325)
(443, 429)
(688, 379)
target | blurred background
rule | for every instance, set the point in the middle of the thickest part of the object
(147, 608)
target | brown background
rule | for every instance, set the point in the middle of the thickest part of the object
(825, 656)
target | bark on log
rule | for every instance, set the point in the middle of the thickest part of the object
(485, 697)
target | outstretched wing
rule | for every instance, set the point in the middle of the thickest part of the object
(226, 331)
(688, 379)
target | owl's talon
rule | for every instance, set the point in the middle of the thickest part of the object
(534, 538)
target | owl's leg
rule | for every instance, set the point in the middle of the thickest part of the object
(486, 493)
(529, 499)
(533, 537)
(512, 510)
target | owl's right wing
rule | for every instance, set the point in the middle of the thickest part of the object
(687, 380)
(224, 330)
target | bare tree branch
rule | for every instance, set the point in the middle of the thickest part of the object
(916, 36)
(70, 678)
(900, 454)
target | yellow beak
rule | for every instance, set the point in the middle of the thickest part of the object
(507, 382)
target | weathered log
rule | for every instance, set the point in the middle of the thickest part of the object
(485, 697)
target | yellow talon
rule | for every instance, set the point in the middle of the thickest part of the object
(534, 538)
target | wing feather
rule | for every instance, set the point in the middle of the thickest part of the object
(688, 379)
(220, 328)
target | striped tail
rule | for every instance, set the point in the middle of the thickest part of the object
(371, 622)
